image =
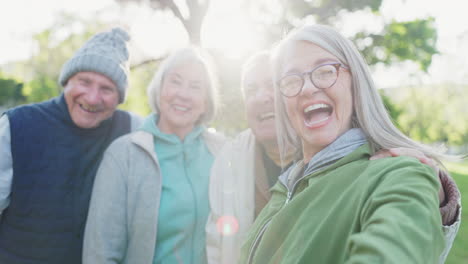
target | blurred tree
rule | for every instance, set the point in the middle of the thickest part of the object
(54, 46)
(41, 88)
(393, 109)
(414, 40)
(191, 13)
(140, 77)
(397, 41)
(10, 92)
(435, 113)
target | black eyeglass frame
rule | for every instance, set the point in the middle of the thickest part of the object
(337, 66)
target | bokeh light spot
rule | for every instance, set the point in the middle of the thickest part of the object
(227, 225)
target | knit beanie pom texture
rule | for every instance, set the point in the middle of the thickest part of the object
(104, 53)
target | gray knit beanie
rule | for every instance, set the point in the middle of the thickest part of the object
(105, 53)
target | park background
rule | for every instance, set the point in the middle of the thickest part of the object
(417, 51)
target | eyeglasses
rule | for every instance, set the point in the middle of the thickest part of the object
(322, 77)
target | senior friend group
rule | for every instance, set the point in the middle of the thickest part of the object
(321, 175)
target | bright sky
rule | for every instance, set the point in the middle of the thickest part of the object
(23, 18)
(19, 19)
(228, 30)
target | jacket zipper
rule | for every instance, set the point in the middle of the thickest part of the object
(291, 192)
(257, 240)
(259, 236)
(185, 163)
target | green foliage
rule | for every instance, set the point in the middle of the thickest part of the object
(325, 11)
(10, 91)
(458, 253)
(41, 89)
(140, 77)
(413, 40)
(400, 41)
(53, 50)
(435, 113)
(393, 109)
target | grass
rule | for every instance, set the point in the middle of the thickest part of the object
(459, 252)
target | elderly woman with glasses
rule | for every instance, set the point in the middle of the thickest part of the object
(150, 198)
(249, 165)
(334, 205)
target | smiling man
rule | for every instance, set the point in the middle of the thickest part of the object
(246, 168)
(50, 152)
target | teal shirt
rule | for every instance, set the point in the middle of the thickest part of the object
(184, 207)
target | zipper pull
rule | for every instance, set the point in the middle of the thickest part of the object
(288, 197)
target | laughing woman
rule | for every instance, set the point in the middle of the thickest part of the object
(334, 205)
(150, 196)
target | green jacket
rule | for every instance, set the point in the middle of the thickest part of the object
(354, 211)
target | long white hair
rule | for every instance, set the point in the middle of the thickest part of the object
(369, 112)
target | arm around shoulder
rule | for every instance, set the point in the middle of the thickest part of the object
(450, 212)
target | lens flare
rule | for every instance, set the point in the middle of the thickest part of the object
(227, 225)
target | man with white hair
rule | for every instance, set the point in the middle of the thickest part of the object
(51, 150)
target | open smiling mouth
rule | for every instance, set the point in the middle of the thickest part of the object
(265, 116)
(316, 114)
(180, 108)
(89, 109)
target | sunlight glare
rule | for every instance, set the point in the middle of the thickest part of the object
(226, 29)
(155, 34)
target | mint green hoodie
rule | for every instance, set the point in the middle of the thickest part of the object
(184, 208)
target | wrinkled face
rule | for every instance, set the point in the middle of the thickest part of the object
(259, 102)
(319, 116)
(183, 97)
(91, 98)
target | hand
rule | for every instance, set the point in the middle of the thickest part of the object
(395, 152)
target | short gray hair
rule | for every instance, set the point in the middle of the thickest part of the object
(177, 58)
(369, 112)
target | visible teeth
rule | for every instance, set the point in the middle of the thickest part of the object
(310, 123)
(315, 107)
(180, 108)
(89, 108)
(267, 115)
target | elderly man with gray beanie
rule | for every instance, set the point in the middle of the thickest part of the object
(50, 152)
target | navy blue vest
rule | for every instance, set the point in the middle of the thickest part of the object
(54, 164)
